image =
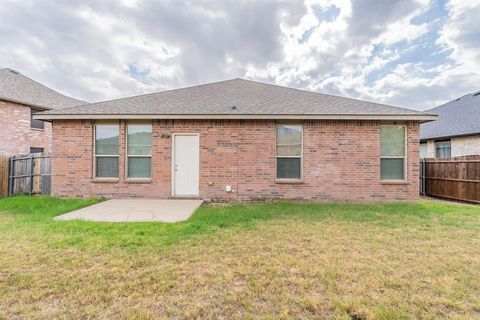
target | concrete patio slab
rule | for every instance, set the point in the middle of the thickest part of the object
(135, 210)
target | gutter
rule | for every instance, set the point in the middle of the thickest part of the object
(420, 117)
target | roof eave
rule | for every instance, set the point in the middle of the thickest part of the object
(450, 136)
(33, 105)
(412, 117)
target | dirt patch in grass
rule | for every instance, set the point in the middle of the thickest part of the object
(278, 261)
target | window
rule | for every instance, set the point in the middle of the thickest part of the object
(139, 150)
(443, 149)
(392, 162)
(34, 123)
(423, 150)
(36, 150)
(289, 152)
(106, 150)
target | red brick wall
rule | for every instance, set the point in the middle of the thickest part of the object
(16, 136)
(341, 161)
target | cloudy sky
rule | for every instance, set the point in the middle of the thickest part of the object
(409, 53)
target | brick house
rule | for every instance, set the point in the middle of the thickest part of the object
(236, 140)
(457, 131)
(20, 98)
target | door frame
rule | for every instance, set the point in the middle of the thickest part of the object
(173, 164)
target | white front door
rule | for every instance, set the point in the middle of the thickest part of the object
(186, 164)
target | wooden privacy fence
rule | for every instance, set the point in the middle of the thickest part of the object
(30, 174)
(453, 178)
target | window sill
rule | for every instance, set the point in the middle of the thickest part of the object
(138, 180)
(37, 129)
(289, 181)
(395, 182)
(105, 180)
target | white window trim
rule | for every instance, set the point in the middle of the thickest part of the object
(405, 158)
(292, 157)
(137, 156)
(440, 141)
(95, 156)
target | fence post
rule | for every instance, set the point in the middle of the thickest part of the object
(30, 191)
(10, 176)
(424, 183)
(420, 178)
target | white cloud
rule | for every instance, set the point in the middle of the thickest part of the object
(459, 73)
(365, 49)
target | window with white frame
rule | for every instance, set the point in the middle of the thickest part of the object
(393, 152)
(443, 149)
(289, 151)
(106, 150)
(139, 150)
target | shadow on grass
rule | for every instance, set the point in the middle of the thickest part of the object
(34, 220)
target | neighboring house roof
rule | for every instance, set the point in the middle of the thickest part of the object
(236, 99)
(18, 88)
(458, 117)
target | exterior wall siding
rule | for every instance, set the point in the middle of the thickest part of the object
(466, 146)
(16, 136)
(430, 149)
(341, 162)
(461, 146)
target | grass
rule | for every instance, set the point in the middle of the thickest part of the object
(267, 261)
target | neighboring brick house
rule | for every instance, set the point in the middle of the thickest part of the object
(457, 131)
(20, 97)
(236, 140)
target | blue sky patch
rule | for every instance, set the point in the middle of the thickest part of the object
(328, 15)
(436, 11)
(422, 51)
(138, 73)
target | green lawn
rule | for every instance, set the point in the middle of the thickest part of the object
(268, 261)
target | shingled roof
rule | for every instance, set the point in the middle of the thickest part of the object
(18, 88)
(459, 117)
(236, 99)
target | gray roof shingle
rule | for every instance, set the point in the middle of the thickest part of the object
(18, 88)
(455, 118)
(248, 97)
